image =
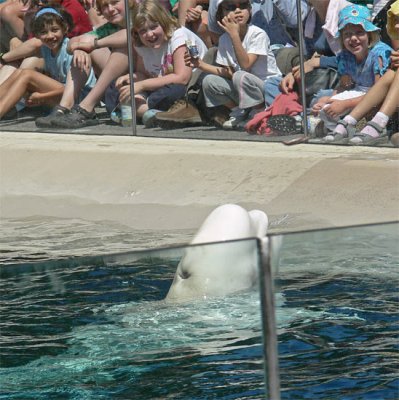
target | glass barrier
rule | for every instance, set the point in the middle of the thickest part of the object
(168, 323)
(337, 313)
(113, 326)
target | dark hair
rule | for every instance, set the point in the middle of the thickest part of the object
(220, 15)
(64, 19)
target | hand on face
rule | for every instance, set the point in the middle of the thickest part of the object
(230, 24)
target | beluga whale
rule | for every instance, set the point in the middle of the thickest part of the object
(209, 269)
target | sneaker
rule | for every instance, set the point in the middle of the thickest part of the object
(149, 118)
(182, 112)
(77, 118)
(237, 116)
(55, 114)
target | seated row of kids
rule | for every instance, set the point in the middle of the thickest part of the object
(226, 85)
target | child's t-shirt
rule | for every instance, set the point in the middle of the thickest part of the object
(255, 41)
(59, 65)
(159, 62)
(105, 30)
(363, 74)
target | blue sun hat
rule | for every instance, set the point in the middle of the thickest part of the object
(356, 15)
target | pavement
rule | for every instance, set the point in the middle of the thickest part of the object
(174, 181)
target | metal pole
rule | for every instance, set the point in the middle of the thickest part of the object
(270, 347)
(302, 66)
(131, 66)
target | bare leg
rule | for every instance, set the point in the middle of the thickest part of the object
(21, 82)
(34, 63)
(117, 65)
(375, 96)
(391, 102)
(99, 57)
(12, 17)
(75, 82)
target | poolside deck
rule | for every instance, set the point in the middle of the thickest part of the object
(149, 182)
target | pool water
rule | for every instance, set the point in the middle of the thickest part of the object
(96, 328)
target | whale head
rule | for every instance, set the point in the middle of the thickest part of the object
(216, 269)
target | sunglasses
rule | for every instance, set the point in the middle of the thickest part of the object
(233, 6)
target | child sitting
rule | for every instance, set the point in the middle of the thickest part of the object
(50, 25)
(385, 91)
(363, 60)
(244, 61)
(161, 75)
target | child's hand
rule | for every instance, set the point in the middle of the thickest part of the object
(320, 104)
(287, 84)
(82, 60)
(395, 59)
(335, 108)
(230, 25)
(190, 61)
(124, 94)
(34, 99)
(87, 45)
(87, 4)
(122, 81)
(193, 14)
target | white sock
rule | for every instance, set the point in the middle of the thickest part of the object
(381, 119)
(341, 129)
(350, 120)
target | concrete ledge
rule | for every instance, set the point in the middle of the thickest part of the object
(152, 183)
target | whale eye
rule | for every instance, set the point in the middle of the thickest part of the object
(184, 274)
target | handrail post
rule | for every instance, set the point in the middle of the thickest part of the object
(270, 344)
(131, 65)
(301, 44)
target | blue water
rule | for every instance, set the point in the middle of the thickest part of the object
(99, 330)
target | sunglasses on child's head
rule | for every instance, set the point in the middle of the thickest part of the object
(233, 6)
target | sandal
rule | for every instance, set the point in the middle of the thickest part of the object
(363, 139)
(335, 137)
(282, 125)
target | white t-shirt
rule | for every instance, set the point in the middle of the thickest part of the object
(159, 62)
(255, 41)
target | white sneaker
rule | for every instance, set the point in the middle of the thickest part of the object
(237, 115)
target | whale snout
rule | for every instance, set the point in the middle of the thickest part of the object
(222, 267)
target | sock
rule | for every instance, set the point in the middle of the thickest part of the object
(381, 119)
(340, 129)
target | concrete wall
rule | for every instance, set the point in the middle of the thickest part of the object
(173, 184)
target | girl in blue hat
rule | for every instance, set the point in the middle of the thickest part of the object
(385, 93)
(362, 61)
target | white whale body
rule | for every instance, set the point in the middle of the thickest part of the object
(222, 268)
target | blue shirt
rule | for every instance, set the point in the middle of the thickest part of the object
(59, 65)
(363, 74)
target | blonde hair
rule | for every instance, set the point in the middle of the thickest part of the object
(393, 15)
(151, 10)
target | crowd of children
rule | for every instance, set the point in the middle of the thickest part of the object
(230, 63)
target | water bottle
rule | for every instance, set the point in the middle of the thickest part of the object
(126, 115)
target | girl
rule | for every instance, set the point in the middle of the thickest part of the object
(385, 91)
(161, 74)
(50, 25)
(363, 60)
(106, 47)
(244, 61)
